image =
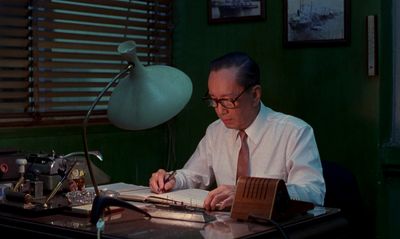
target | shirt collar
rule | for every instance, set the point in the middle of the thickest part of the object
(253, 132)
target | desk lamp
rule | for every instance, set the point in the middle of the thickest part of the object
(144, 97)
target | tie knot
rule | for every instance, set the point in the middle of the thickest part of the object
(242, 134)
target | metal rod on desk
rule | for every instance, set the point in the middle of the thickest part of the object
(85, 122)
(59, 184)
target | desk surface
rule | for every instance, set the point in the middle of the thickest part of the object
(321, 223)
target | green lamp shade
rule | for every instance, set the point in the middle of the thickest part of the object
(149, 95)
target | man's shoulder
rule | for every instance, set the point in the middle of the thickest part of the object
(218, 129)
(280, 118)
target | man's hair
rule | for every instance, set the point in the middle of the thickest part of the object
(248, 70)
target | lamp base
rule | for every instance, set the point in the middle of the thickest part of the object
(102, 202)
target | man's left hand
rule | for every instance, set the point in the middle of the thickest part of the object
(220, 198)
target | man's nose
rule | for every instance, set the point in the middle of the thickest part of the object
(220, 110)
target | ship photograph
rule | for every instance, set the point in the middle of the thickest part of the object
(315, 20)
(235, 8)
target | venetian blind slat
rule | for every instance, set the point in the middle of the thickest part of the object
(91, 51)
(49, 105)
(137, 4)
(14, 42)
(14, 3)
(14, 53)
(77, 75)
(13, 22)
(13, 106)
(147, 12)
(78, 65)
(13, 84)
(14, 74)
(7, 32)
(103, 39)
(14, 95)
(102, 20)
(101, 29)
(11, 63)
(72, 94)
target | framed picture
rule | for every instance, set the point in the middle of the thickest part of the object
(222, 11)
(316, 22)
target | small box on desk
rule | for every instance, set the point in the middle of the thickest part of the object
(265, 198)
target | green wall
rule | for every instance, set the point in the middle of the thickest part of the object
(328, 87)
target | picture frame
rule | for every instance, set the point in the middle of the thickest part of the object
(222, 11)
(309, 23)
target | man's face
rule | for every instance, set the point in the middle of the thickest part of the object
(222, 85)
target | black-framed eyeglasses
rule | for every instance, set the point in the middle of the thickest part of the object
(227, 103)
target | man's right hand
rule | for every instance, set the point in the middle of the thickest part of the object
(158, 183)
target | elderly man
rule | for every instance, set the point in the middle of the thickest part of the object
(248, 139)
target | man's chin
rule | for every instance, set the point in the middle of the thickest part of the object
(229, 125)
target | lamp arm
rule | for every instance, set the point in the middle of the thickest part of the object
(100, 202)
(85, 122)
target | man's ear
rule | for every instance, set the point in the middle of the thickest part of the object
(256, 94)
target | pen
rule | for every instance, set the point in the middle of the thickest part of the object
(58, 186)
(171, 175)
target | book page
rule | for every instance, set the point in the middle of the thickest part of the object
(118, 187)
(140, 195)
(186, 197)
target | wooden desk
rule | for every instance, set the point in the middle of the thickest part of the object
(324, 223)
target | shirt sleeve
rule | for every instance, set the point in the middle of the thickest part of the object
(197, 172)
(305, 179)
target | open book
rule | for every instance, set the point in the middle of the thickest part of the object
(193, 198)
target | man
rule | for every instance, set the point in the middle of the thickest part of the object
(275, 145)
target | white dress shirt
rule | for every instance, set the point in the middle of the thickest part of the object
(280, 146)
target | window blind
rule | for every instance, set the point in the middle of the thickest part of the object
(57, 55)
